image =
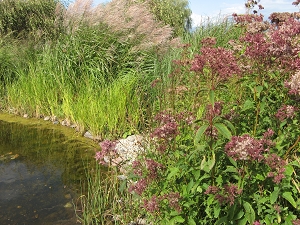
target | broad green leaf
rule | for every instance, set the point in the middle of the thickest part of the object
(260, 177)
(211, 162)
(262, 105)
(191, 221)
(230, 126)
(190, 186)
(248, 105)
(274, 195)
(249, 212)
(196, 174)
(217, 210)
(177, 219)
(223, 130)
(199, 133)
(288, 196)
(289, 170)
(173, 172)
(258, 90)
(243, 221)
(231, 169)
(239, 215)
(222, 220)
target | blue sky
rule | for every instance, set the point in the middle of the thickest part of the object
(212, 8)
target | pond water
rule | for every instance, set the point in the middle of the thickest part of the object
(42, 169)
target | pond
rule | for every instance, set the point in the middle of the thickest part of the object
(42, 170)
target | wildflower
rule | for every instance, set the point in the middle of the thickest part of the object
(294, 84)
(152, 204)
(220, 61)
(212, 190)
(209, 41)
(244, 148)
(152, 168)
(211, 132)
(296, 222)
(286, 111)
(108, 151)
(226, 194)
(173, 199)
(256, 223)
(167, 131)
(139, 187)
(136, 166)
(277, 166)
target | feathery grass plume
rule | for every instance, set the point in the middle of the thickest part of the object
(132, 20)
(76, 13)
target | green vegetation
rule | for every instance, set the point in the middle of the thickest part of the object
(220, 106)
(175, 13)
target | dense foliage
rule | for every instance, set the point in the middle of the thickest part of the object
(175, 13)
(220, 106)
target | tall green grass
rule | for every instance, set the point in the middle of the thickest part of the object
(106, 200)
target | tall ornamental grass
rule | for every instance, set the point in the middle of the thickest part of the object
(98, 72)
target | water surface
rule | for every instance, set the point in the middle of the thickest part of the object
(41, 169)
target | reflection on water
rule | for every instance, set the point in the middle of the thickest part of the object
(40, 170)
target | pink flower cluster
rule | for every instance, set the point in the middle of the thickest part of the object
(226, 194)
(245, 147)
(152, 205)
(286, 111)
(247, 18)
(220, 61)
(168, 130)
(294, 84)
(140, 186)
(108, 151)
(277, 166)
(151, 172)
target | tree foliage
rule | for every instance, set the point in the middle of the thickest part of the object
(36, 18)
(175, 13)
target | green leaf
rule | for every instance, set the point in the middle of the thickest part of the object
(222, 220)
(230, 126)
(173, 172)
(196, 174)
(217, 210)
(190, 186)
(274, 195)
(288, 196)
(239, 215)
(231, 169)
(260, 177)
(248, 105)
(177, 219)
(262, 105)
(223, 130)
(249, 212)
(289, 170)
(212, 97)
(233, 162)
(191, 221)
(199, 133)
(203, 163)
(209, 164)
(258, 90)
(243, 221)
